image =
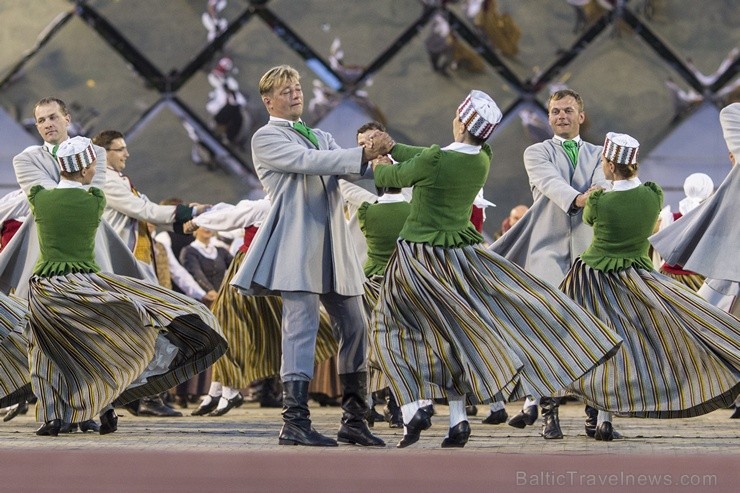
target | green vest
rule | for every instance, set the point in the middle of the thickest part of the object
(445, 185)
(622, 222)
(381, 224)
(67, 220)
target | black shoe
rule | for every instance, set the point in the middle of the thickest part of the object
(293, 435)
(50, 428)
(591, 416)
(357, 433)
(206, 407)
(392, 412)
(235, 401)
(736, 414)
(132, 407)
(68, 428)
(181, 401)
(604, 432)
(153, 406)
(457, 436)
(422, 420)
(496, 417)
(525, 417)
(372, 416)
(471, 410)
(394, 419)
(270, 401)
(89, 425)
(108, 422)
(21, 408)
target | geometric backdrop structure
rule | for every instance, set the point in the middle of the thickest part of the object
(656, 69)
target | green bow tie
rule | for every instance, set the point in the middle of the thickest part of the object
(571, 149)
(307, 133)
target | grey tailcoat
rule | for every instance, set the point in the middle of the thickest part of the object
(304, 243)
(551, 235)
(36, 166)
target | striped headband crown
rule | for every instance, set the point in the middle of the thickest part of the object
(479, 114)
(621, 148)
(74, 154)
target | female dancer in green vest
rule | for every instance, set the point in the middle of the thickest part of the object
(681, 355)
(98, 339)
(454, 320)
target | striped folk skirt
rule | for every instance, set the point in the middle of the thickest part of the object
(15, 382)
(252, 327)
(468, 321)
(97, 339)
(680, 356)
(376, 379)
(693, 281)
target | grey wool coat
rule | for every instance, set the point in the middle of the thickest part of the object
(304, 243)
(551, 235)
(36, 166)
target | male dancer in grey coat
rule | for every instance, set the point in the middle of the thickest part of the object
(304, 253)
(562, 173)
(36, 165)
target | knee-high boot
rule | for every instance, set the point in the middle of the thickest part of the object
(551, 421)
(354, 404)
(297, 429)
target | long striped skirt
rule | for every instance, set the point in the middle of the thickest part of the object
(15, 382)
(469, 321)
(251, 325)
(376, 379)
(692, 281)
(97, 339)
(680, 356)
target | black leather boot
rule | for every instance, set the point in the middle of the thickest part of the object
(354, 428)
(591, 415)
(604, 432)
(551, 421)
(297, 429)
(392, 412)
(108, 422)
(270, 395)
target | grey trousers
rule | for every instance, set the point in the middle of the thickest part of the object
(300, 324)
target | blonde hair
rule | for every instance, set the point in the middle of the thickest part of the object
(277, 76)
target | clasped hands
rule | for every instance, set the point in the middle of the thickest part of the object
(375, 144)
(582, 198)
(199, 209)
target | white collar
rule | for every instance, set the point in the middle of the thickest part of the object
(461, 147)
(49, 146)
(64, 183)
(622, 185)
(277, 120)
(391, 198)
(560, 140)
(209, 250)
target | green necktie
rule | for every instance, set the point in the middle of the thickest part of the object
(571, 149)
(306, 132)
(54, 150)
